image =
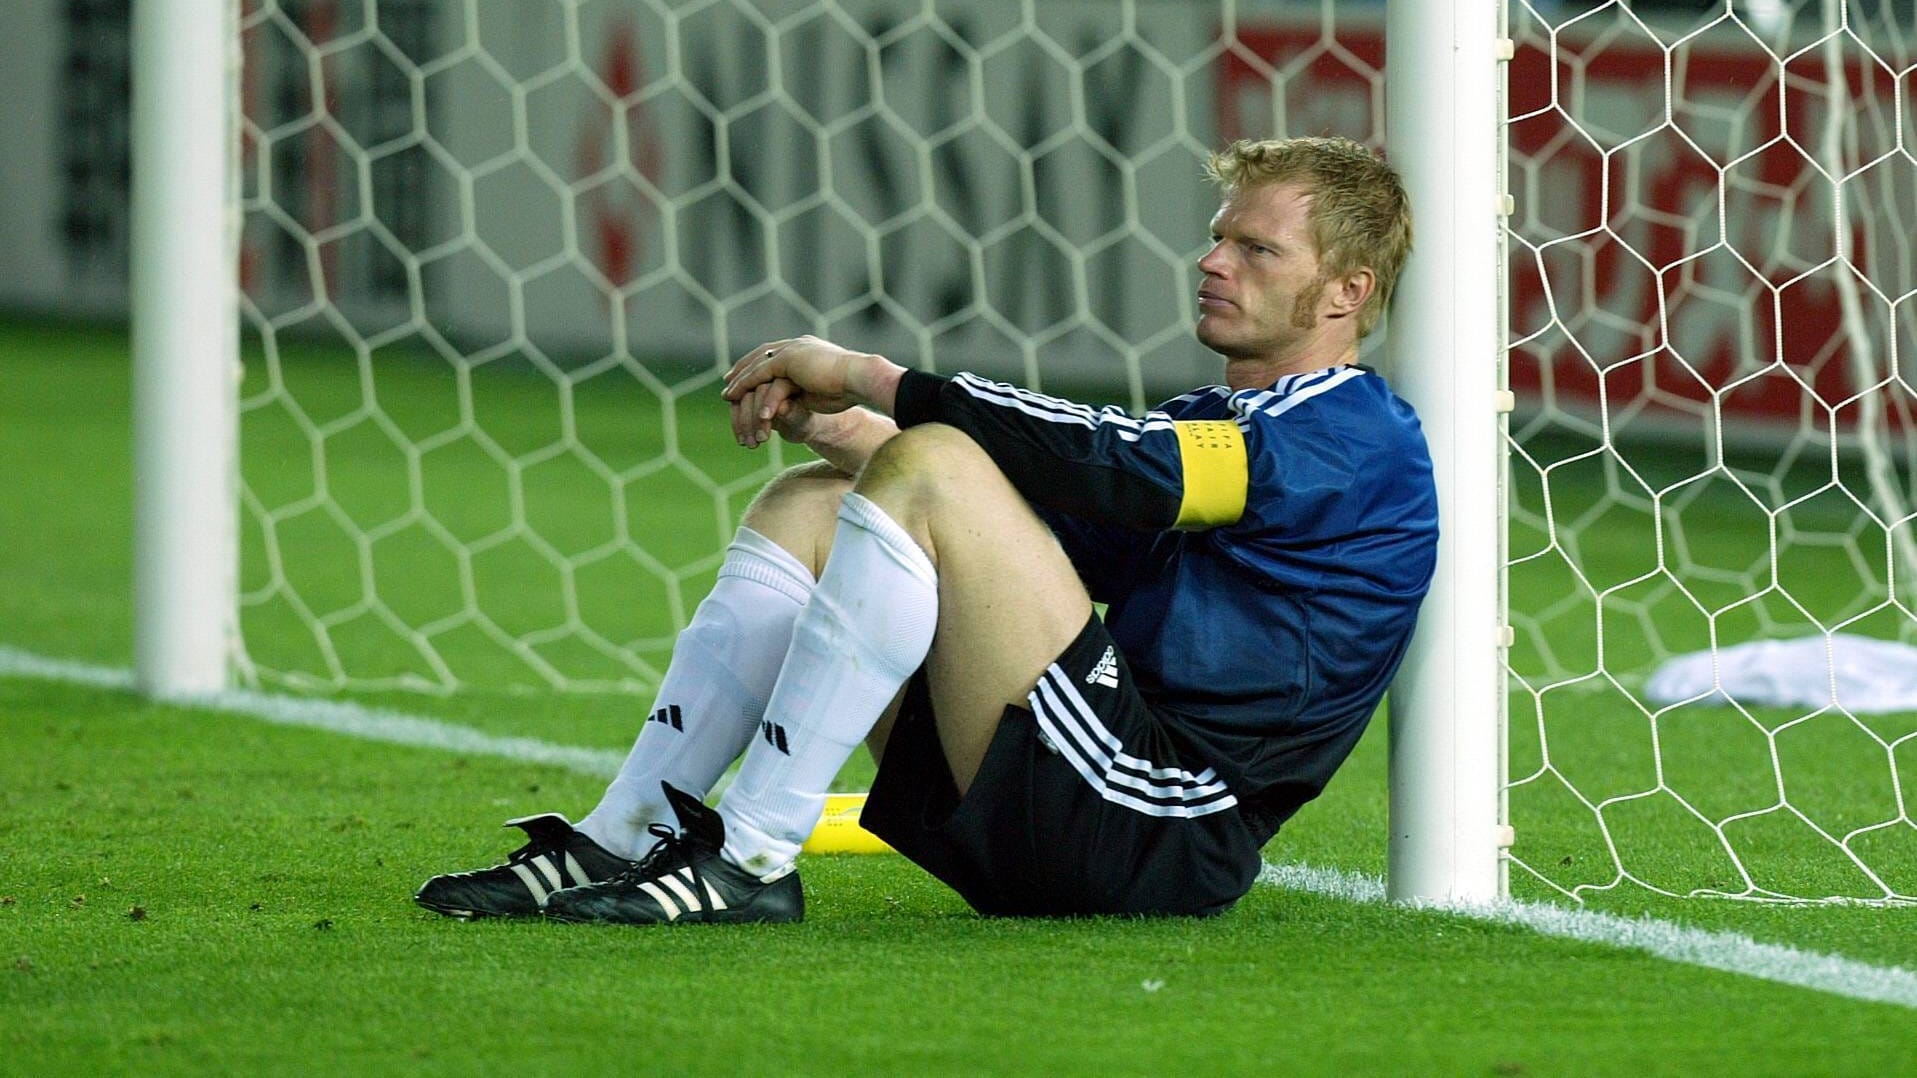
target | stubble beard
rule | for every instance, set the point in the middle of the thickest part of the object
(1304, 309)
(1303, 317)
(1224, 345)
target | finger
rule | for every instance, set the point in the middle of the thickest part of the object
(753, 376)
(744, 419)
(764, 352)
(752, 356)
(777, 393)
(775, 402)
(729, 389)
(788, 422)
(738, 418)
(748, 409)
(733, 371)
(760, 429)
(737, 384)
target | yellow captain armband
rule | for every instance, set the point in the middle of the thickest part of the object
(1212, 453)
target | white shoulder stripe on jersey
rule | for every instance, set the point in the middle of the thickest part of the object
(1252, 400)
(1072, 411)
(1305, 393)
(1003, 390)
(1273, 403)
(1005, 393)
(1195, 396)
(1038, 404)
(1010, 400)
(1054, 410)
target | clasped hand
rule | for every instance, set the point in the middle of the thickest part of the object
(793, 386)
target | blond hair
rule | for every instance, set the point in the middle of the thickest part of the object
(1359, 215)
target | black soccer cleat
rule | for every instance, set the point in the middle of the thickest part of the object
(556, 856)
(684, 880)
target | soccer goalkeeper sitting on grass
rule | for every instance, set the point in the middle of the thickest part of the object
(927, 589)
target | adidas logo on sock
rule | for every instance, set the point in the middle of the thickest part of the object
(668, 715)
(775, 736)
(1106, 672)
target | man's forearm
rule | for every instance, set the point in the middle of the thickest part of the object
(876, 383)
(850, 443)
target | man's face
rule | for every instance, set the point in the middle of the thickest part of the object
(1261, 287)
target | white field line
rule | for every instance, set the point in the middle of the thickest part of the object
(1728, 952)
(341, 718)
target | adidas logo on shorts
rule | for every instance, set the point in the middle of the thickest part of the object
(1106, 672)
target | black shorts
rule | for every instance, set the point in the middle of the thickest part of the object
(1083, 804)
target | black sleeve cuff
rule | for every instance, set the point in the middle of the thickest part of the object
(917, 400)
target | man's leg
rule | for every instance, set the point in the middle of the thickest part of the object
(726, 661)
(709, 705)
(1009, 599)
(1067, 794)
(930, 517)
(933, 536)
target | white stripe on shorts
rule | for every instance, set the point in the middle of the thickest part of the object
(1096, 754)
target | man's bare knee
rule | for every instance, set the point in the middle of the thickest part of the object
(923, 467)
(1009, 599)
(799, 511)
(915, 453)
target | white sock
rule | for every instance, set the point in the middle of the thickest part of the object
(715, 690)
(867, 627)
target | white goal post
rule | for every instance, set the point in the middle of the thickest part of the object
(185, 315)
(1447, 706)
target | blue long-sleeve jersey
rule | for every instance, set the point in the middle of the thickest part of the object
(1262, 553)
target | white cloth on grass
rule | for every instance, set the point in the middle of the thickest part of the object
(1858, 673)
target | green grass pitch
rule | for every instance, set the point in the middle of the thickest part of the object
(183, 891)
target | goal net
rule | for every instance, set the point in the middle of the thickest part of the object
(1713, 297)
(496, 255)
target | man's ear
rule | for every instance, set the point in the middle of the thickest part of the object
(1345, 296)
